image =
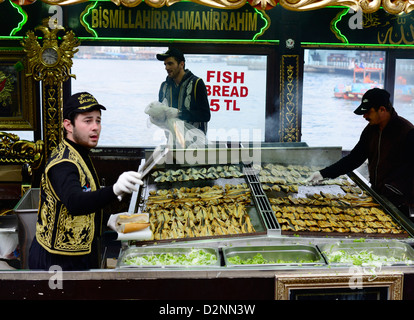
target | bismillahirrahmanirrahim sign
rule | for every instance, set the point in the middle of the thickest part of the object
(179, 21)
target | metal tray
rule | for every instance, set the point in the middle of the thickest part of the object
(136, 252)
(254, 213)
(287, 255)
(389, 249)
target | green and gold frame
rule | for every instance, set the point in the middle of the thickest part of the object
(17, 92)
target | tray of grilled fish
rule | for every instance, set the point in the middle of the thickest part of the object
(335, 207)
(200, 202)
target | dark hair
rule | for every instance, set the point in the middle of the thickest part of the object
(387, 106)
(178, 60)
(71, 117)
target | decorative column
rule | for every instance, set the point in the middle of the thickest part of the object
(50, 62)
(289, 99)
(290, 112)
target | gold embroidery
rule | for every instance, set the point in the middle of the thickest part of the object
(57, 230)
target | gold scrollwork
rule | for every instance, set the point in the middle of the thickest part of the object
(367, 6)
(60, 71)
(398, 6)
(16, 151)
(289, 126)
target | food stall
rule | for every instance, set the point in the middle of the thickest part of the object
(240, 241)
(244, 223)
(240, 231)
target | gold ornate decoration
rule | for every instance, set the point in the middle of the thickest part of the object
(6, 89)
(15, 151)
(51, 63)
(286, 284)
(289, 122)
(391, 6)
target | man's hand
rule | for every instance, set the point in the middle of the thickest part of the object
(126, 183)
(315, 178)
(171, 113)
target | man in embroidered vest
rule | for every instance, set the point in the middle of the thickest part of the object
(184, 92)
(71, 199)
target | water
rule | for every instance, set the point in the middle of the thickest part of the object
(126, 87)
(329, 121)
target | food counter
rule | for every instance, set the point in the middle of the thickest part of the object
(250, 230)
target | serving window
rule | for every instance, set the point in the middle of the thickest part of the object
(333, 84)
(126, 79)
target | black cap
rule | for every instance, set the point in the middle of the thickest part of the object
(373, 98)
(171, 52)
(80, 102)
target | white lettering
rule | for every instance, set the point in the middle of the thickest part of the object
(355, 22)
(57, 18)
(176, 310)
(56, 280)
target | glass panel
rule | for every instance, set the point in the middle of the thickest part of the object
(334, 82)
(404, 88)
(126, 79)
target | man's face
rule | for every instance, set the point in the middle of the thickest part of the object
(172, 67)
(375, 117)
(86, 129)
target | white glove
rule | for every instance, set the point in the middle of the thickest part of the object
(171, 113)
(126, 183)
(315, 178)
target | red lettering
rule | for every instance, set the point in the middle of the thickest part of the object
(238, 77)
(234, 92)
(210, 75)
(226, 76)
(244, 91)
(216, 90)
(225, 92)
(234, 106)
(228, 104)
(214, 103)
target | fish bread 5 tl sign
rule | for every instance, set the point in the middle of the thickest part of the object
(105, 19)
(228, 85)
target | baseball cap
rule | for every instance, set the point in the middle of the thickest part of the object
(80, 102)
(171, 52)
(373, 98)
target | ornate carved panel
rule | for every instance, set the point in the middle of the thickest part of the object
(289, 98)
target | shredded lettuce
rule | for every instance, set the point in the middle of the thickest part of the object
(259, 259)
(195, 257)
(360, 258)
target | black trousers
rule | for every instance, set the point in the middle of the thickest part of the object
(41, 259)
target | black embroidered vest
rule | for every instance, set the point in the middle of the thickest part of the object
(57, 230)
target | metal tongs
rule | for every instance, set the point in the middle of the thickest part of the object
(155, 158)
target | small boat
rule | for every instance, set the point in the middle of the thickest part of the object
(354, 91)
(404, 93)
(358, 87)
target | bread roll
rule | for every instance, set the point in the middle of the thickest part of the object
(133, 227)
(132, 222)
(132, 218)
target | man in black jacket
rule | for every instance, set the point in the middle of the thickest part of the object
(388, 144)
(69, 218)
(183, 91)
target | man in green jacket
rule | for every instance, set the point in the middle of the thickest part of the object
(184, 92)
